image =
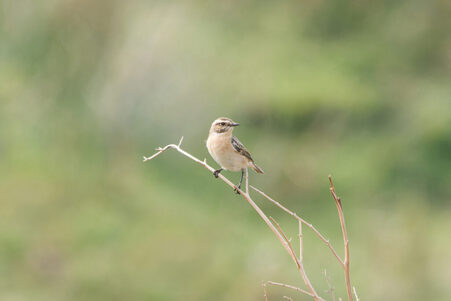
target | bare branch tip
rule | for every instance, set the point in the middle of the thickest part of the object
(180, 142)
(355, 294)
(265, 294)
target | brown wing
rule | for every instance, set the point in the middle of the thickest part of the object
(239, 147)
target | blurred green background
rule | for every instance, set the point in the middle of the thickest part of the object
(358, 89)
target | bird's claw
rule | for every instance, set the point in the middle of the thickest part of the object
(236, 189)
(216, 173)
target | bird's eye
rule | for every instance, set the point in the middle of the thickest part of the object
(222, 123)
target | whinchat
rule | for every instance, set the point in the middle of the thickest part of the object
(228, 151)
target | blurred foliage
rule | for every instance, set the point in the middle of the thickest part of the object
(359, 89)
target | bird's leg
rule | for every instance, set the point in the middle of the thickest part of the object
(216, 172)
(241, 181)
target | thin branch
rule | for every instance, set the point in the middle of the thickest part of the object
(290, 287)
(301, 239)
(288, 298)
(326, 241)
(331, 288)
(298, 263)
(203, 163)
(355, 293)
(288, 243)
(278, 232)
(265, 294)
(345, 238)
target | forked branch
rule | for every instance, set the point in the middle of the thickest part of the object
(301, 220)
(276, 229)
(299, 264)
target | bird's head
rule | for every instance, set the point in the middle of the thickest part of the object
(223, 125)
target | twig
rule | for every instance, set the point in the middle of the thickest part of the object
(298, 263)
(355, 293)
(290, 287)
(326, 241)
(180, 142)
(203, 163)
(288, 298)
(301, 255)
(331, 288)
(265, 294)
(286, 243)
(345, 238)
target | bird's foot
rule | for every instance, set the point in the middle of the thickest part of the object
(216, 172)
(236, 189)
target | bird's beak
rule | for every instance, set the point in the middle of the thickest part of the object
(235, 124)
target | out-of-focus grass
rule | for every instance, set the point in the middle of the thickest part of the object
(359, 90)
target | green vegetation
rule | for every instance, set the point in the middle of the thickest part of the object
(360, 90)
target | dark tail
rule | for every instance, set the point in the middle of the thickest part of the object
(256, 168)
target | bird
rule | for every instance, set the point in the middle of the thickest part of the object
(227, 150)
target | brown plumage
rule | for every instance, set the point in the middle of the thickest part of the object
(239, 147)
(227, 150)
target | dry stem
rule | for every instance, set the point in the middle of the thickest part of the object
(278, 231)
(331, 289)
(299, 264)
(301, 255)
(355, 293)
(290, 287)
(265, 294)
(344, 263)
(326, 241)
(345, 238)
